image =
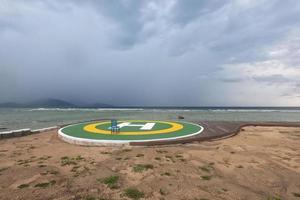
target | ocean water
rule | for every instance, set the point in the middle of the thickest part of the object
(18, 118)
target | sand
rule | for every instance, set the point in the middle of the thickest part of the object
(258, 163)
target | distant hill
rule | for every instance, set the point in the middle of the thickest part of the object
(51, 103)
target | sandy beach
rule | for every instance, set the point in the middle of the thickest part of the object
(258, 163)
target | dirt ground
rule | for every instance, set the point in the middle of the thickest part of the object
(259, 163)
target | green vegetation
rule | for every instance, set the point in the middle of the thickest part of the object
(127, 150)
(111, 182)
(273, 198)
(45, 184)
(142, 167)
(52, 182)
(161, 151)
(23, 186)
(24, 162)
(207, 178)
(90, 198)
(105, 152)
(133, 193)
(204, 168)
(166, 174)
(79, 157)
(3, 169)
(70, 161)
(42, 185)
(296, 194)
(74, 169)
(162, 192)
(44, 157)
(53, 172)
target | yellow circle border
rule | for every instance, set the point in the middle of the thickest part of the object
(175, 127)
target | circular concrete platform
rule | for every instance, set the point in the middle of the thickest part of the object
(99, 133)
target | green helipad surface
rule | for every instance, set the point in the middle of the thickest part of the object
(130, 131)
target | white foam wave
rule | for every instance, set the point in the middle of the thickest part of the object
(86, 109)
(254, 110)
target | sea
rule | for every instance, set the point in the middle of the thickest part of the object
(19, 118)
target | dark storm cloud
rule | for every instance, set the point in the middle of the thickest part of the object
(138, 52)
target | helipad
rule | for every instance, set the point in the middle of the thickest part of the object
(99, 132)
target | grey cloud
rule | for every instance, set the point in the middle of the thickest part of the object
(189, 10)
(109, 51)
(272, 79)
(232, 80)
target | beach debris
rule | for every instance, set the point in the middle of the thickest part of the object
(180, 117)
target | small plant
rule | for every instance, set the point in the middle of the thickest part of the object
(157, 158)
(74, 169)
(141, 167)
(140, 155)
(111, 181)
(133, 193)
(24, 162)
(45, 184)
(90, 198)
(79, 157)
(3, 169)
(45, 157)
(42, 185)
(52, 182)
(53, 172)
(207, 178)
(224, 189)
(23, 186)
(105, 152)
(273, 198)
(67, 161)
(162, 192)
(166, 174)
(296, 194)
(161, 151)
(204, 168)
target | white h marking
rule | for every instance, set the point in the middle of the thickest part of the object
(147, 126)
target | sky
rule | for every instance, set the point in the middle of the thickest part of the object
(151, 52)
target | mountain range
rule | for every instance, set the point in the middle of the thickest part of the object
(52, 103)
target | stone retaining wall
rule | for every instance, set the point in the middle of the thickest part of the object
(23, 132)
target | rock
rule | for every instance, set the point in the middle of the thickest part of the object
(180, 117)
